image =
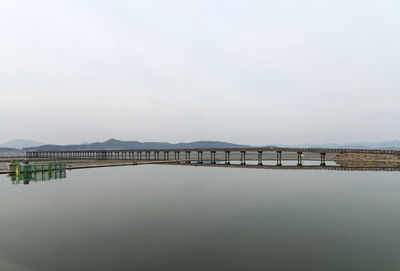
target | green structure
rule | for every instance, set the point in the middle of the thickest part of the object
(26, 178)
(35, 171)
(24, 167)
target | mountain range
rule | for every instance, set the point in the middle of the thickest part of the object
(20, 144)
(114, 144)
(384, 145)
(28, 145)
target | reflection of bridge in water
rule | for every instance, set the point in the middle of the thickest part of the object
(40, 176)
(356, 167)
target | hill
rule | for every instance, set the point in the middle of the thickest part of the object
(20, 144)
(114, 144)
(385, 145)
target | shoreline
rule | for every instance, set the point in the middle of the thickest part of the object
(342, 162)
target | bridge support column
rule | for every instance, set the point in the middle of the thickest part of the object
(227, 157)
(213, 157)
(260, 158)
(299, 159)
(323, 159)
(242, 157)
(187, 158)
(199, 157)
(279, 158)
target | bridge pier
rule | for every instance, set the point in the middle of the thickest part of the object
(213, 157)
(323, 159)
(260, 158)
(227, 157)
(299, 159)
(187, 157)
(279, 158)
(199, 157)
(242, 157)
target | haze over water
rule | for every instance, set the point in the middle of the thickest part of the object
(160, 217)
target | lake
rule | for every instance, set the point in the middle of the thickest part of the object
(165, 217)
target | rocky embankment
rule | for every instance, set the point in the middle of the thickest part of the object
(347, 159)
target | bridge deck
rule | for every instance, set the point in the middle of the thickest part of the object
(266, 149)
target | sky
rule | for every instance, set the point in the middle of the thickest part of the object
(249, 72)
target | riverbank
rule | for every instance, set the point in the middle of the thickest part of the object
(361, 157)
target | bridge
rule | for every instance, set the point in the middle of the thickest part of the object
(154, 154)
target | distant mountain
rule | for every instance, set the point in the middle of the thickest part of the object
(20, 144)
(385, 145)
(114, 144)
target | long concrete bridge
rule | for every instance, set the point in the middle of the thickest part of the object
(154, 154)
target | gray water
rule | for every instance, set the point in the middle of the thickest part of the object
(200, 218)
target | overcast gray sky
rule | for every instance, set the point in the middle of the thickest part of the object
(252, 72)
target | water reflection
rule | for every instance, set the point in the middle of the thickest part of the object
(155, 217)
(310, 165)
(26, 178)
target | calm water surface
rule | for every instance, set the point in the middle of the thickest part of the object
(199, 218)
